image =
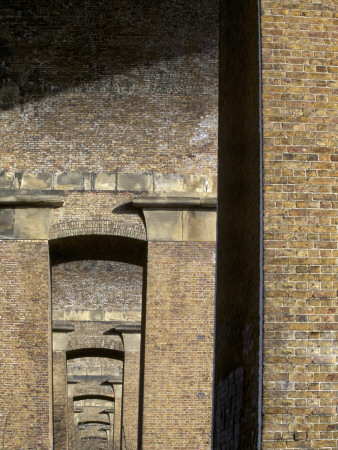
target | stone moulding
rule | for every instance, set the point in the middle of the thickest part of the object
(18, 198)
(27, 215)
(175, 201)
(179, 218)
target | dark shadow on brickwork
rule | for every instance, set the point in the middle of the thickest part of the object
(98, 247)
(238, 276)
(94, 353)
(47, 47)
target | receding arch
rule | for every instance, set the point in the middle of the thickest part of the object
(99, 227)
(93, 397)
(94, 422)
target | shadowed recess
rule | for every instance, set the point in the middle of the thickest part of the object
(98, 247)
(94, 353)
(93, 397)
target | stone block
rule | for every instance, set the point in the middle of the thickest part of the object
(113, 315)
(197, 183)
(42, 180)
(6, 223)
(163, 224)
(131, 342)
(72, 181)
(168, 183)
(94, 371)
(77, 315)
(60, 342)
(199, 225)
(58, 314)
(134, 182)
(6, 180)
(32, 223)
(96, 315)
(105, 181)
(87, 181)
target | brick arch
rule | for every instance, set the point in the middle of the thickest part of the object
(93, 397)
(113, 342)
(95, 352)
(98, 227)
(98, 247)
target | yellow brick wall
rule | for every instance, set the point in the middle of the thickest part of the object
(300, 224)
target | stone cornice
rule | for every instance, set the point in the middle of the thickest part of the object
(39, 199)
(175, 202)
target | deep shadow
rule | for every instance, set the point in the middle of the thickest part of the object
(236, 399)
(95, 353)
(93, 397)
(98, 247)
(47, 47)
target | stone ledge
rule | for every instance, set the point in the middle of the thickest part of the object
(179, 218)
(62, 327)
(75, 379)
(125, 328)
(175, 202)
(29, 199)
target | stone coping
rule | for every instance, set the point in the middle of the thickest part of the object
(125, 328)
(175, 202)
(29, 199)
(109, 411)
(75, 379)
(62, 327)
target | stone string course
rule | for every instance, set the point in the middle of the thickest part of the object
(116, 181)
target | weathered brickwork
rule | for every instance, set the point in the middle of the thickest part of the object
(25, 391)
(102, 85)
(300, 224)
(102, 285)
(180, 309)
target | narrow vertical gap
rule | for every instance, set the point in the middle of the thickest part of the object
(261, 208)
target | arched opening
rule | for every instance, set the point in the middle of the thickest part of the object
(97, 286)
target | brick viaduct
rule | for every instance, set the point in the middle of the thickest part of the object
(124, 126)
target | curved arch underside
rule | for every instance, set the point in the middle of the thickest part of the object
(98, 247)
(95, 353)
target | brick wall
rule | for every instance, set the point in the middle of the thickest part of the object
(300, 208)
(104, 85)
(25, 390)
(179, 345)
(97, 285)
